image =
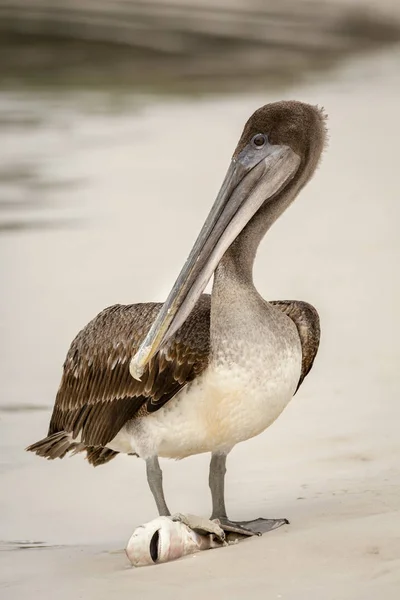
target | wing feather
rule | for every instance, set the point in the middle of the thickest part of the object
(306, 319)
(97, 394)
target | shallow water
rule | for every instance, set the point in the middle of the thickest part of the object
(101, 196)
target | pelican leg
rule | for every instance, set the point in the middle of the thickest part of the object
(154, 479)
(216, 481)
(217, 487)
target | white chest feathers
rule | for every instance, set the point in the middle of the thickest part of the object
(232, 401)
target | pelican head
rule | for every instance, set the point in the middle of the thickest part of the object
(277, 154)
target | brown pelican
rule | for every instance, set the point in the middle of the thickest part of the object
(201, 373)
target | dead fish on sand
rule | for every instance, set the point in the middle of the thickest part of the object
(168, 538)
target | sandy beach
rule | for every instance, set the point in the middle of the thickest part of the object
(330, 463)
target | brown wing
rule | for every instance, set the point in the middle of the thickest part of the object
(97, 394)
(306, 319)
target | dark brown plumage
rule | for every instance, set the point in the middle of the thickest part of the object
(97, 394)
(288, 122)
(306, 319)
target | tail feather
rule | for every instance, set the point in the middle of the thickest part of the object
(54, 446)
(57, 445)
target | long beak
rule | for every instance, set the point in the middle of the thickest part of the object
(253, 177)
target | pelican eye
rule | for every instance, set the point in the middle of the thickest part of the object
(259, 140)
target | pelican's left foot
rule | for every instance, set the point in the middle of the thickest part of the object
(201, 526)
(256, 527)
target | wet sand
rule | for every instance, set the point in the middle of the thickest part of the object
(128, 190)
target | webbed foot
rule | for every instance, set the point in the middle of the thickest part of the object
(248, 528)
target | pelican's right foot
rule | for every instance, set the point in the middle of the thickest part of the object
(201, 525)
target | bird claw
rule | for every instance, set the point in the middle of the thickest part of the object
(201, 525)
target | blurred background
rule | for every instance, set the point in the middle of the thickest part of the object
(117, 122)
